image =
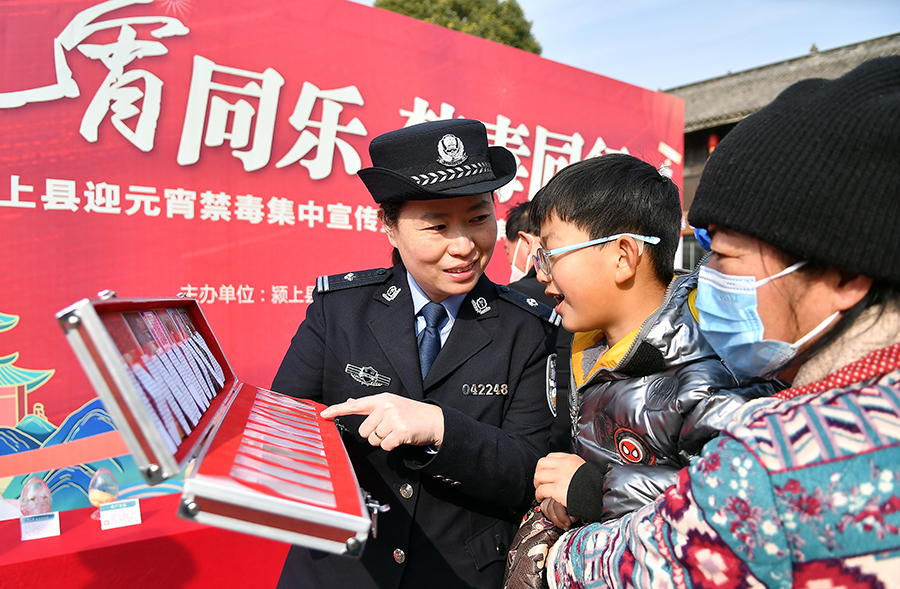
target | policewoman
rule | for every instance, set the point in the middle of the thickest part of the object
(441, 380)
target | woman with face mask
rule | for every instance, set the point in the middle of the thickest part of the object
(801, 203)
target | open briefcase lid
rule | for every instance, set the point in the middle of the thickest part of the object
(256, 461)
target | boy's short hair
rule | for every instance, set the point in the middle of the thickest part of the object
(519, 219)
(616, 193)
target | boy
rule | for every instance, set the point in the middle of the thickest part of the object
(647, 389)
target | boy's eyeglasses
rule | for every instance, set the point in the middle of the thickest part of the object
(542, 256)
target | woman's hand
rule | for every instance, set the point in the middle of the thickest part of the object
(393, 420)
(557, 513)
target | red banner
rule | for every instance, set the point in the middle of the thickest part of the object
(210, 148)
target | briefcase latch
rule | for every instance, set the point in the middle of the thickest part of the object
(374, 509)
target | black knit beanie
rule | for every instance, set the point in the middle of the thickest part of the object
(816, 173)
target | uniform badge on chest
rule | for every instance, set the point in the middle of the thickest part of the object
(481, 305)
(391, 293)
(366, 375)
(551, 383)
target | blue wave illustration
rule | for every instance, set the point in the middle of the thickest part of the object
(69, 485)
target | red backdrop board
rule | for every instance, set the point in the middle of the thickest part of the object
(210, 148)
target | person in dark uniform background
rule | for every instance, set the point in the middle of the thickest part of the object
(451, 448)
(522, 239)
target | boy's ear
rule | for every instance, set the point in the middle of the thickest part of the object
(627, 249)
(529, 239)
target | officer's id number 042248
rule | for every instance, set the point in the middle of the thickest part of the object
(485, 389)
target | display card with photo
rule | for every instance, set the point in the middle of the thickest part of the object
(152, 396)
(177, 356)
(201, 344)
(169, 359)
(180, 332)
(183, 407)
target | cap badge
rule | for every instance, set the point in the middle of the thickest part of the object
(391, 293)
(367, 375)
(480, 305)
(451, 150)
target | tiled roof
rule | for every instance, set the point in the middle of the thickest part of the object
(730, 98)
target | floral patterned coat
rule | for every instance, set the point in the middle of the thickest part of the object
(801, 490)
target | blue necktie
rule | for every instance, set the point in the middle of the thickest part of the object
(430, 338)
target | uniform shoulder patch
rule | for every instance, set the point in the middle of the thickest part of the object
(530, 304)
(352, 279)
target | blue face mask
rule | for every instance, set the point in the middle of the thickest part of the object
(729, 319)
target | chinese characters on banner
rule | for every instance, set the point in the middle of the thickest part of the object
(157, 147)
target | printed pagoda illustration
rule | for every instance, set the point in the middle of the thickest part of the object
(16, 383)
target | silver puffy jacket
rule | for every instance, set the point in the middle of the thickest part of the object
(639, 423)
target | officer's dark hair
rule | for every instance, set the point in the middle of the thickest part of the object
(390, 214)
(616, 193)
(519, 219)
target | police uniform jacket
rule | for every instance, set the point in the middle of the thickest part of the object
(561, 436)
(452, 513)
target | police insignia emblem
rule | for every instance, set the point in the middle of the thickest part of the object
(350, 277)
(367, 375)
(481, 306)
(451, 150)
(551, 383)
(391, 293)
(632, 448)
(532, 302)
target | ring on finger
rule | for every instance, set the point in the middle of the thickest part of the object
(377, 436)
